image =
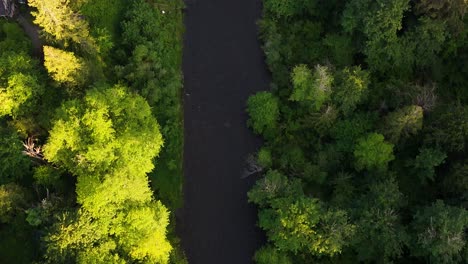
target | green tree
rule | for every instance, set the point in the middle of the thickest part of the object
(426, 161)
(263, 109)
(12, 201)
(380, 235)
(59, 20)
(340, 48)
(450, 12)
(271, 186)
(19, 94)
(270, 255)
(133, 233)
(109, 130)
(350, 88)
(289, 8)
(403, 123)
(291, 223)
(20, 84)
(379, 22)
(301, 225)
(372, 152)
(335, 232)
(439, 233)
(456, 182)
(426, 41)
(63, 66)
(46, 175)
(14, 39)
(346, 132)
(314, 87)
(264, 158)
(14, 165)
(448, 128)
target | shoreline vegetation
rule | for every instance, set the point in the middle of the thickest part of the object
(365, 132)
(92, 138)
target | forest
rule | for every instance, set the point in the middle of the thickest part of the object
(83, 125)
(365, 132)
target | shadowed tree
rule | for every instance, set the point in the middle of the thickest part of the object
(263, 109)
(440, 233)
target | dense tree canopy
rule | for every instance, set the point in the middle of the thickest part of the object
(75, 161)
(365, 128)
(58, 19)
(110, 130)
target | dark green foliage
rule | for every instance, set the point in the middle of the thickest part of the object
(456, 182)
(426, 161)
(302, 225)
(448, 129)
(351, 89)
(272, 185)
(14, 165)
(20, 78)
(13, 38)
(151, 58)
(440, 233)
(12, 201)
(312, 87)
(340, 49)
(371, 127)
(295, 222)
(270, 255)
(264, 158)
(380, 234)
(346, 132)
(403, 123)
(264, 113)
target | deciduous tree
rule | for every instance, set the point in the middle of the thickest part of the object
(64, 67)
(110, 130)
(372, 152)
(263, 109)
(440, 233)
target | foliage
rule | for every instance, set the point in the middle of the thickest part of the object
(440, 232)
(371, 127)
(269, 255)
(108, 131)
(448, 129)
(426, 161)
(132, 233)
(58, 19)
(372, 152)
(46, 175)
(14, 165)
(107, 135)
(12, 38)
(12, 199)
(20, 84)
(151, 59)
(308, 86)
(379, 222)
(264, 158)
(351, 88)
(64, 67)
(403, 123)
(264, 113)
